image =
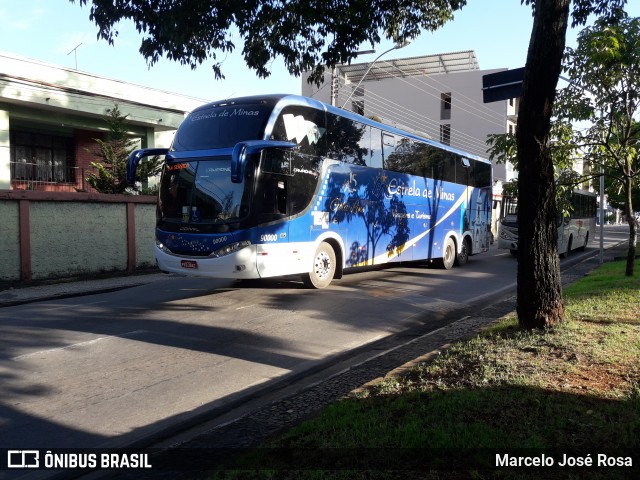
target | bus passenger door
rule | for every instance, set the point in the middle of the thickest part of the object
(273, 256)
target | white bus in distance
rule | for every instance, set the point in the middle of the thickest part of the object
(575, 228)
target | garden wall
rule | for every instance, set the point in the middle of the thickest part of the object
(49, 235)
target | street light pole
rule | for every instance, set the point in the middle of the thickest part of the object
(601, 257)
(335, 81)
(397, 46)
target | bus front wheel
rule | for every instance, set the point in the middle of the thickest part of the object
(323, 269)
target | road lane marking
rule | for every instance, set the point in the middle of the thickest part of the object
(75, 345)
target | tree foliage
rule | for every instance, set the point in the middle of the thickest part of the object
(605, 92)
(114, 151)
(307, 34)
(565, 154)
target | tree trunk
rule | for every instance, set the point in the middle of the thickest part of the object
(539, 290)
(633, 225)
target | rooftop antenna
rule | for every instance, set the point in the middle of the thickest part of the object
(75, 53)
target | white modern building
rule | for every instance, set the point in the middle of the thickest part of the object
(50, 117)
(439, 96)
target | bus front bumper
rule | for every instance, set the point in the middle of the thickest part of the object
(239, 265)
(507, 239)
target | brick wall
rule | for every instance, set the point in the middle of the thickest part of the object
(85, 153)
(85, 145)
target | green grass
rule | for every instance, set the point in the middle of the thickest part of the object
(605, 295)
(575, 388)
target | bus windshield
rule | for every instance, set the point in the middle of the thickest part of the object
(509, 214)
(201, 192)
(221, 127)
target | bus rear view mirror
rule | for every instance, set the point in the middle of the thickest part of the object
(243, 149)
(135, 158)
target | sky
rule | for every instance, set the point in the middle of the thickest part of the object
(59, 32)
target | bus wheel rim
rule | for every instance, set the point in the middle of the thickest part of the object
(322, 265)
(448, 253)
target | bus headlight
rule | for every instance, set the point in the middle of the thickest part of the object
(231, 248)
(162, 247)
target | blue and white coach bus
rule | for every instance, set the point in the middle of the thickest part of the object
(275, 185)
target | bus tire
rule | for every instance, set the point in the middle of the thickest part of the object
(323, 269)
(463, 256)
(586, 241)
(448, 254)
(568, 251)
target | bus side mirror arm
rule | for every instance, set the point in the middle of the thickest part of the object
(243, 149)
(135, 158)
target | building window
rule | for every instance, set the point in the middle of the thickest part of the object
(445, 106)
(45, 157)
(445, 134)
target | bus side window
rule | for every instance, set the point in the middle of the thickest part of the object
(375, 161)
(304, 126)
(364, 144)
(347, 141)
(274, 199)
(388, 145)
(275, 160)
(481, 174)
(405, 158)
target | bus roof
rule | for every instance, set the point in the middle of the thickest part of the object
(279, 101)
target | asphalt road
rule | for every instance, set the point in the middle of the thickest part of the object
(112, 369)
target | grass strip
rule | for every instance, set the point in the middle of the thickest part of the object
(572, 389)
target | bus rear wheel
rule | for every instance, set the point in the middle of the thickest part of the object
(463, 256)
(448, 254)
(586, 241)
(323, 269)
(569, 245)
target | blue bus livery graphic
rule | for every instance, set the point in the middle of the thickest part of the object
(265, 186)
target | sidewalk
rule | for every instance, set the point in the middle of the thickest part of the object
(21, 295)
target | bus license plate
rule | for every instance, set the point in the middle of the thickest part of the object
(189, 264)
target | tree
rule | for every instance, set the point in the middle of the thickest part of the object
(307, 35)
(539, 291)
(313, 35)
(565, 153)
(605, 91)
(114, 151)
(615, 190)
